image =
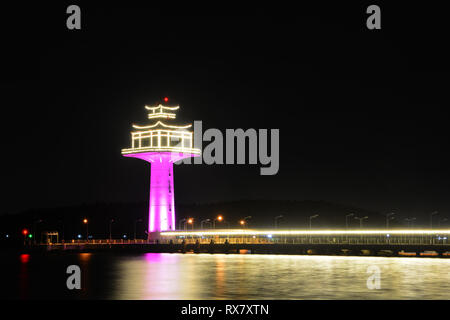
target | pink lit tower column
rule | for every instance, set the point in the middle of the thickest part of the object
(161, 144)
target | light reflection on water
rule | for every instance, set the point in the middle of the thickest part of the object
(220, 276)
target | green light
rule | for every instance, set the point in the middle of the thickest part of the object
(30, 236)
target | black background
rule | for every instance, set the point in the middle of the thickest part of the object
(362, 113)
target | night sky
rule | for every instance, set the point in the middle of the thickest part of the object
(363, 115)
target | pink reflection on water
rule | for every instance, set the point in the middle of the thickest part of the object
(149, 276)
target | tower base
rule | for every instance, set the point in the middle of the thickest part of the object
(162, 190)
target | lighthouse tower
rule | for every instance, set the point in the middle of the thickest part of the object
(161, 144)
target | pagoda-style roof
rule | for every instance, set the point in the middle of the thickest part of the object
(160, 112)
(160, 136)
(161, 125)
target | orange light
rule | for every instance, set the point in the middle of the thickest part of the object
(85, 221)
(242, 222)
(190, 220)
(219, 218)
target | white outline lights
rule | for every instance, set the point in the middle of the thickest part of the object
(161, 124)
(158, 112)
(163, 137)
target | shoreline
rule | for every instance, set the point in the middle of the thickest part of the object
(404, 251)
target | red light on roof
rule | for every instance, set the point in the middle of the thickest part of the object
(24, 232)
(166, 99)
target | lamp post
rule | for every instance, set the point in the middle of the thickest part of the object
(86, 222)
(388, 217)
(35, 230)
(245, 221)
(346, 219)
(310, 220)
(180, 223)
(191, 222)
(203, 221)
(62, 235)
(410, 221)
(110, 233)
(135, 226)
(219, 218)
(276, 220)
(361, 220)
(431, 218)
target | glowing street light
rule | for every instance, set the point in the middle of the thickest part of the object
(243, 222)
(191, 222)
(86, 222)
(219, 218)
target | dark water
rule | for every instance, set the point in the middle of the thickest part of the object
(220, 276)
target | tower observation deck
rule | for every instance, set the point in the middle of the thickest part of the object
(161, 145)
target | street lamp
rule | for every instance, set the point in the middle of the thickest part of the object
(86, 222)
(310, 218)
(135, 223)
(180, 222)
(191, 222)
(346, 219)
(203, 221)
(219, 218)
(62, 235)
(245, 223)
(110, 234)
(431, 218)
(35, 229)
(388, 217)
(410, 221)
(276, 220)
(361, 220)
(242, 223)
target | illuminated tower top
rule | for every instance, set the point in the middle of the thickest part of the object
(161, 144)
(161, 137)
